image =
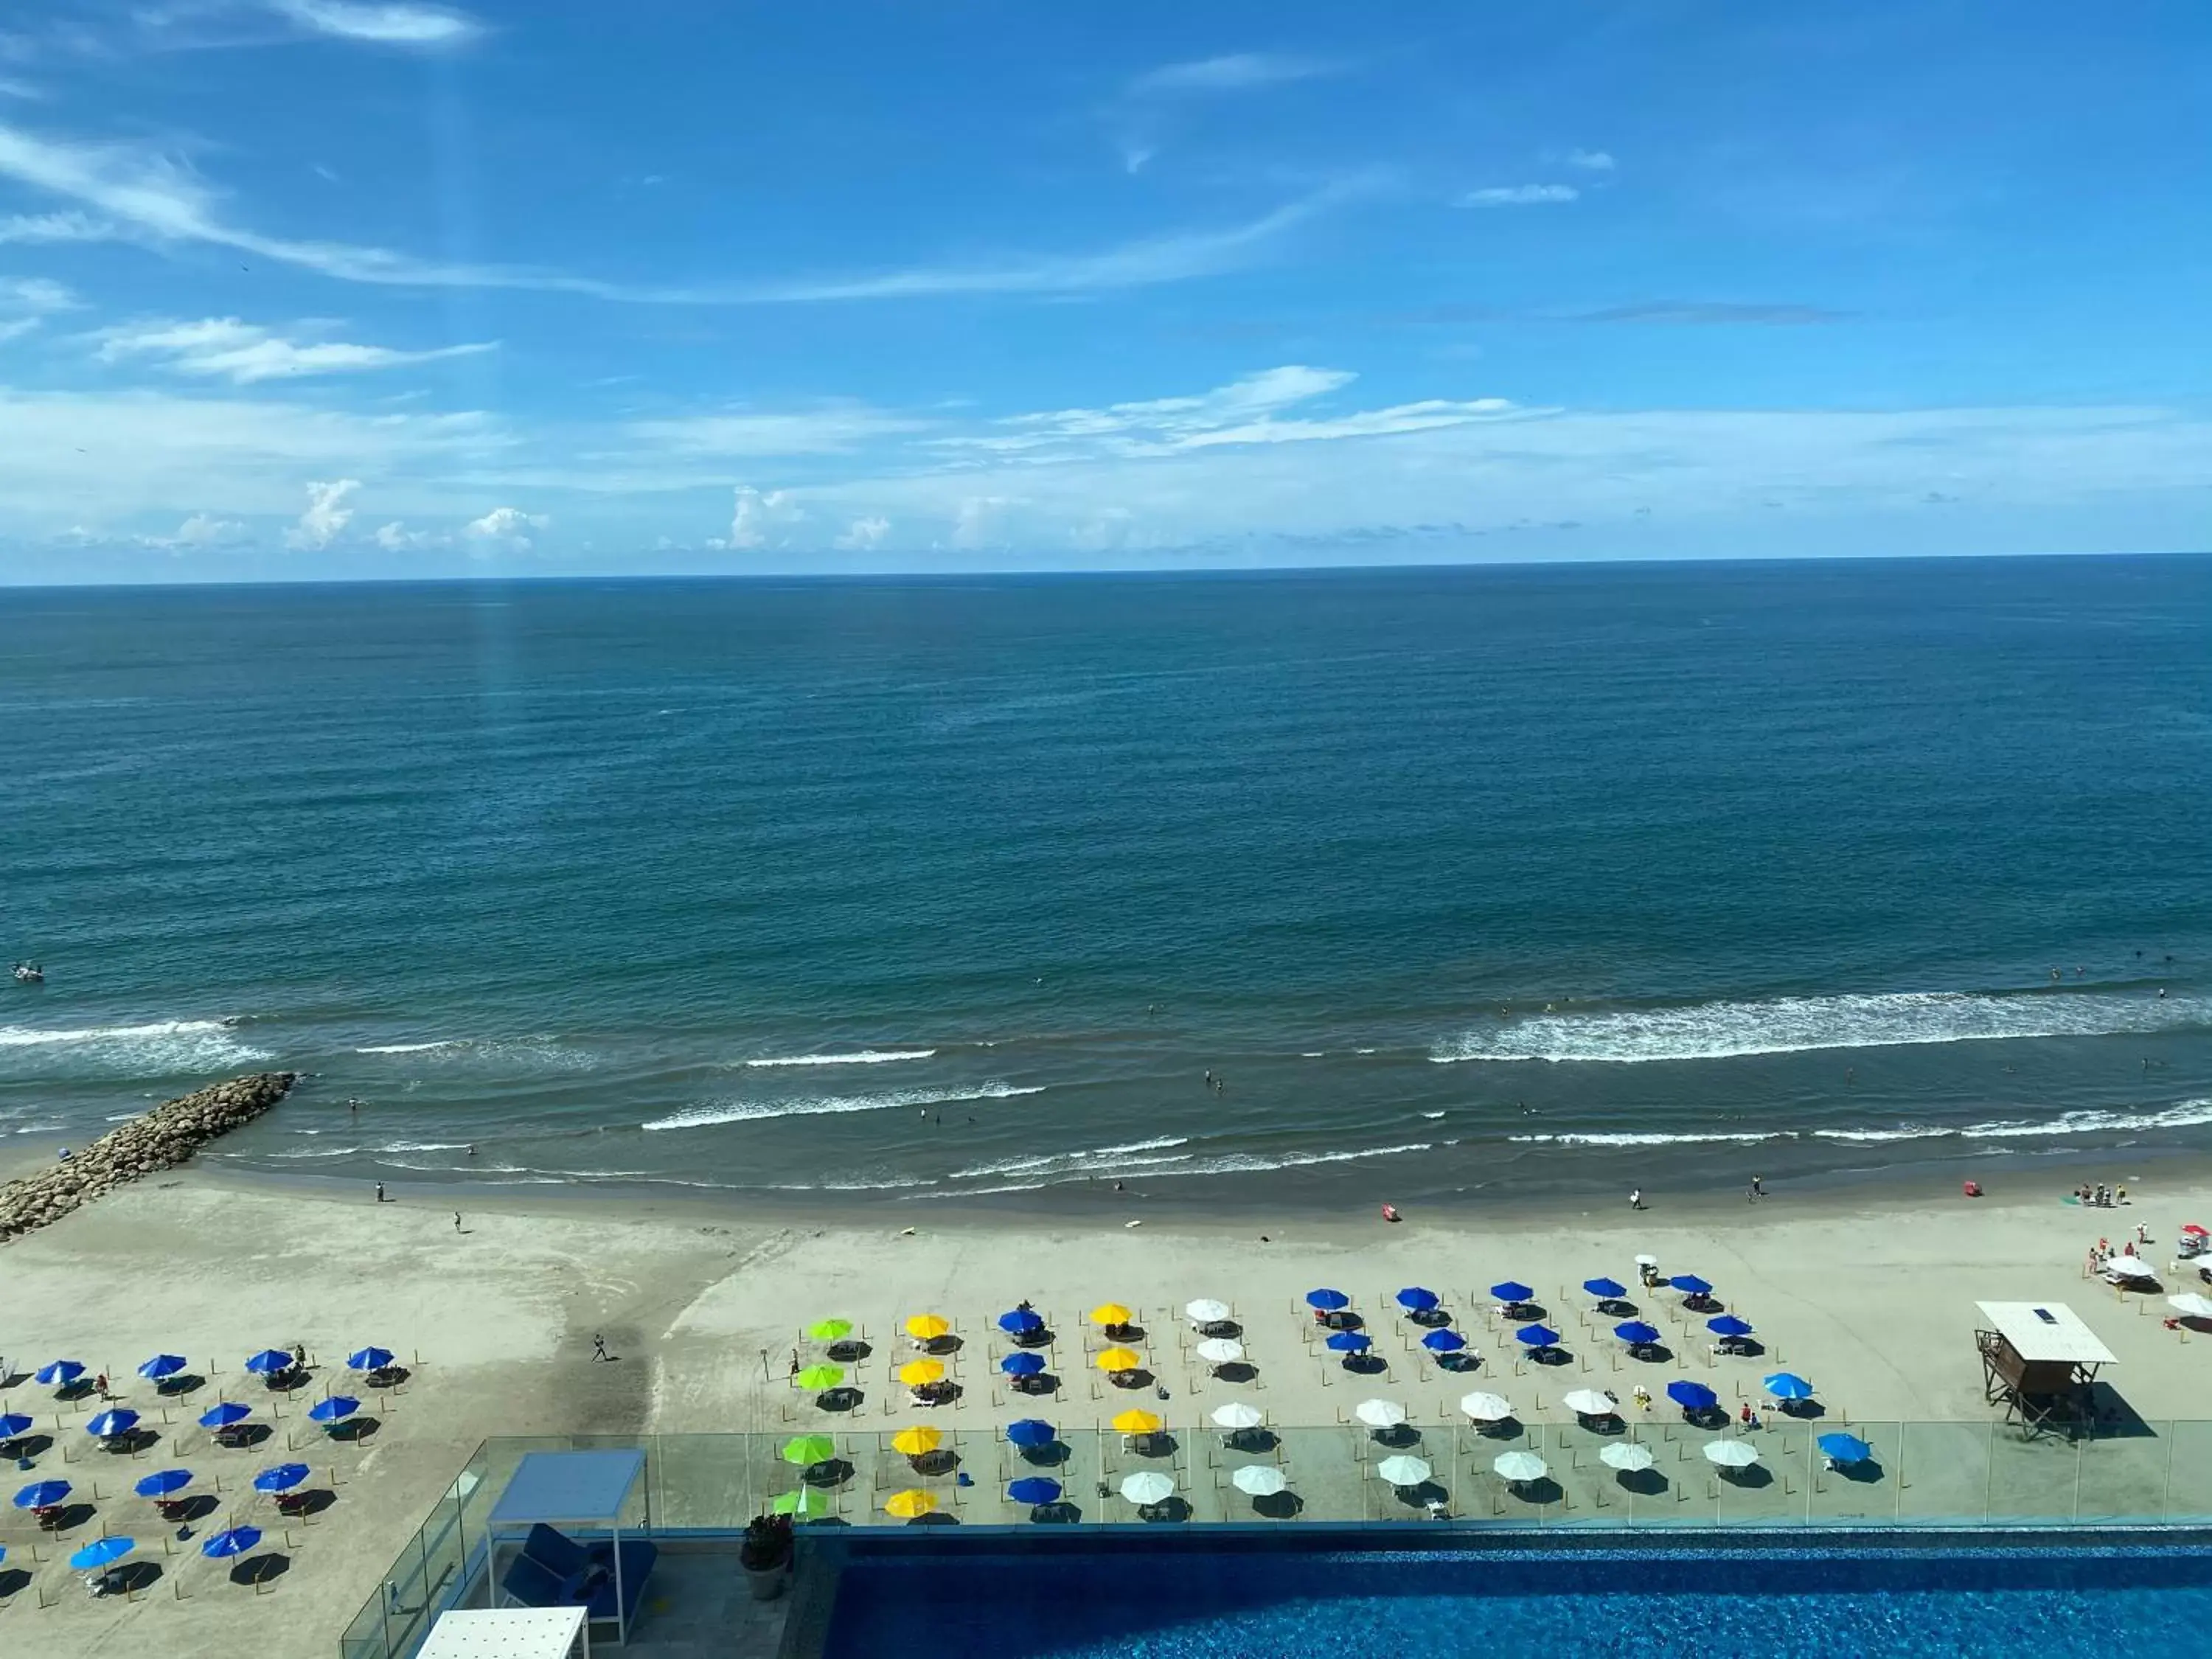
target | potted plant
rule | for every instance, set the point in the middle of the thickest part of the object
(765, 1555)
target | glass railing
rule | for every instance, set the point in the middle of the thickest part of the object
(1509, 1474)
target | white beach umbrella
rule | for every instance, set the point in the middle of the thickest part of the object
(1380, 1413)
(2130, 1266)
(1731, 1454)
(1402, 1471)
(1486, 1407)
(1239, 1414)
(1589, 1402)
(1147, 1486)
(1260, 1480)
(1205, 1311)
(1519, 1465)
(2190, 1305)
(1220, 1351)
(1627, 1457)
(1647, 1260)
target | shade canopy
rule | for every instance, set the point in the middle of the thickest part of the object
(1349, 1342)
(1205, 1311)
(1034, 1489)
(1637, 1333)
(918, 1440)
(1512, 1291)
(807, 1503)
(1147, 1486)
(1788, 1385)
(2129, 1266)
(1259, 1479)
(1691, 1285)
(1691, 1396)
(161, 1365)
(1024, 1363)
(1327, 1301)
(58, 1373)
(1627, 1457)
(1442, 1341)
(830, 1330)
(569, 1488)
(42, 1494)
(919, 1373)
(1403, 1471)
(1731, 1454)
(1120, 1359)
(1414, 1299)
(1137, 1422)
(1591, 1402)
(1520, 1466)
(1031, 1432)
(1111, 1313)
(2190, 1305)
(231, 1541)
(928, 1327)
(369, 1359)
(269, 1361)
(14, 1424)
(1606, 1290)
(102, 1552)
(1380, 1413)
(1845, 1448)
(111, 1423)
(808, 1449)
(225, 1414)
(823, 1376)
(1020, 1321)
(282, 1478)
(913, 1502)
(2046, 1333)
(1537, 1336)
(1647, 1260)
(336, 1409)
(1239, 1414)
(1220, 1351)
(1486, 1407)
(1728, 1325)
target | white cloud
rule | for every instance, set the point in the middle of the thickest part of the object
(391, 25)
(975, 521)
(1237, 72)
(757, 516)
(396, 537)
(200, 531)
(829, 430)
(864, 534)
(1519, 195)
(36, 294)
(70, 226)
(505, 529)
(1589, 160)
(326, 517)
(18, 327)
(244, 353)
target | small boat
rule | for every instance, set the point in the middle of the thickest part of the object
(29, 973)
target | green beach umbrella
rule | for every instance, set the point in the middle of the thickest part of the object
(821, 1377)
(807, 1449)
(807, 1503)
(830, 1330)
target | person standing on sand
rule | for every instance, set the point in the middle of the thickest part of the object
(1636, 1197)
(380, 1192)
(457, 1221)
(1758, 1187)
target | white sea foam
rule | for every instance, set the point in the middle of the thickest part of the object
(2187, 1114)
(154, 1048)
(745, 1111)
(863, 1057)
(410, 1048)
(546, 1053)
(1628, 1139)
(1081, 1160)
(1259, 1164)
(1719, 1030)
(1878, 1137)
(422, 1146)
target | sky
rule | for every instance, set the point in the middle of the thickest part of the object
(308, 289)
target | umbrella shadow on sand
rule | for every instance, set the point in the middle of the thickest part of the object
(355, 1430)
(131, 1442)
(29, 1445)
(1251, 1440)
(130, 1577)
(1866, 1472)
(1365, 1365)
(1061, 1514)
(261, 1569)
(1279, 1506)
(1168, 1510)
(183, 1383)
(1751, 1475)
(1422, 1496)
(1236, 1370)
(1050, 1456)
(13, 1582)
(840, 1400)
(189, 1511)
(1397, 1436)
(69, 1518)
(1642, 1483)
(942, 1461)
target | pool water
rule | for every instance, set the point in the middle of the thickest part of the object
(1789, 1603)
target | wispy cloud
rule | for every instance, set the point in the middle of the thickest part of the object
(67, 227)
(1590, 161)
(388, 25)
(1519, 196)
(1237, 71)
(830, 429)
(244, 353)
(38, 295)
(1702, 312)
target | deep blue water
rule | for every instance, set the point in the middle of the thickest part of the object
(1779, 1604)
(1459, 880)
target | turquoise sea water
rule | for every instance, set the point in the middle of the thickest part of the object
(1461, 882)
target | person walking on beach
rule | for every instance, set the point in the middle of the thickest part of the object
(599, 1349)
(1758, 1186)
(457, 1221)
(380, 1192)
(1636, 1197)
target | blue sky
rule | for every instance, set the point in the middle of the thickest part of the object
(308, 288)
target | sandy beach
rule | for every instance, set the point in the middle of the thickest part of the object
(703, 1309)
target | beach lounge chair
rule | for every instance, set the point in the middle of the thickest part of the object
(574, 1574)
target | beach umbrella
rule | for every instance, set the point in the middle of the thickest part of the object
(1537, 1336)
(1512, 1292)
(102, 1552)
(112, 1423)
(1691, 1396)
(1327, 1301)
(60, 1373)
(807, 1503)
(807, 1450)
(164, 1482)
(1788, 1385)
(1627, 1457)
(1845, 1448)
(1349, 1342)
(1260, 1480)
(1111, 1313)
(1034, 1489)
(14, 1424)
(1220, 1351)
(927, 1328)
(919, 1373)
(369, 1359)
(1647, 1260)
(830, 1330)
(1414, 1299)
(2130, 1266)
(336, 1409)
(1380, 1413)
(1120, 1360)
(1605, 1289)
(282, 1478)
(224, 1415)
(1239, 1414)
(1147, 1486)
(1731, 1454)
(1637, 1333)
(1442, 1341)
(1205, 1311)
(818, 1377)
(161, 1365)
(232, 1541)
(907, 1504)
(2190, 1305)
(42, 1494)
(1137, 1422)
(269, 1361)
(1020, 1321)
(1486, 1407)
(1728, 1325)
(1403, 1471)
(1031, 1432)
(1691, 1285)
(1589, 1402)
(1518, 1465)
(2193, 1228)
(917, 1440)
(1021, 1364)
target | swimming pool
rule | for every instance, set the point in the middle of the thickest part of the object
(1784, 1602)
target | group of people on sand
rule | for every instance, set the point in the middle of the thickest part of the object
(2101, 1252)
(2100, 1197)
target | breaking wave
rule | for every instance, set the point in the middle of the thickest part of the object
(2189, 1114)
(746, 1111)
(157, 1048)
(863, 1057)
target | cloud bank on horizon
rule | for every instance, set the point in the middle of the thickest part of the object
(374, 288)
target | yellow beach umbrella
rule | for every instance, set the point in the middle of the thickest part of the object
(927, 1328)
(1111, 1313)
(1137, 1422)
(917, 1440)
(915, 1372)
(910, 1503)
(1120, 1360)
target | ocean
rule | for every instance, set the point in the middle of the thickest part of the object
(1462, 885)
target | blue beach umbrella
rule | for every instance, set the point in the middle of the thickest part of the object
(232, 1541)
(1327, 1301)
(1845, 1448)
(269, 1361)
(369, 1359)
(163, 1482)
(1637, 1333)
(14, 1424)
(1728, 1325)
(1443, 1342)
(1349, 1342)
(282, 1478)
(1537, 1336)
(102, 1552)
(60, 1374)
(1788, 1385)
(42, 1494)
(1414, 1299)
(1512, 1292)
(1691, 1396)
(161, 1365)
(1021, 1364)
(119, 1421)
(1035, 1489)
(1691, 1284)
(1021, 1322)
(1031, 1432)
(336, 1409)
(225, 1415)
(1605, 1289)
